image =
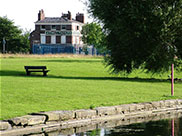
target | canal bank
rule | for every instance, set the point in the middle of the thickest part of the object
(81, 120)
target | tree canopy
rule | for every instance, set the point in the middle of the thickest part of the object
(140, 33)
(16, 40)
(92, 35)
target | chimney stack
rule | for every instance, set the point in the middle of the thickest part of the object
(41, 15)
(80, 17)
(68, 16)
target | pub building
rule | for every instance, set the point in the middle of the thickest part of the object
(57, 34)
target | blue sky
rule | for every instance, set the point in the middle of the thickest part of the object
(24, 12)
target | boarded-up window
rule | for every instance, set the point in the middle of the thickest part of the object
(68, 27)
(58, 39)
(58, 27)
(68, 39)
(48, 27)
(43, 27)
(63, 27)
(48, 39)
(53, 27)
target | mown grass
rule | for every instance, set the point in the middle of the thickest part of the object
(74, 83)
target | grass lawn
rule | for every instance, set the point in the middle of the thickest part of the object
(74, 83)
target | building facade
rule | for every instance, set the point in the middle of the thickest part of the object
(57, 34)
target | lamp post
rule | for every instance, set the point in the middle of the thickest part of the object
(4, 45)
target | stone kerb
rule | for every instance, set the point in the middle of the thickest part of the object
(57, 115)
(85, 114)
(106, 111)
(67, 118)
(4, 125)
(28, 120)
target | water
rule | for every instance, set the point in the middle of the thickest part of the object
(153, 128)
(167, 127)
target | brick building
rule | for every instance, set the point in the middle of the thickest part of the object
(57, 34)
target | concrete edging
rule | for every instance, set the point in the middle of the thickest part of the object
(39, 122)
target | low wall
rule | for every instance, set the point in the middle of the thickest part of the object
(55, 120)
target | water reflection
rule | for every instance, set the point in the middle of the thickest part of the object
(172, 124)
(172, 127)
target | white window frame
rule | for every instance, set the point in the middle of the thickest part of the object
(53, 39)
(42, 38)
(63, 39)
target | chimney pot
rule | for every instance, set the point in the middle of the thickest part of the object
(41, 15)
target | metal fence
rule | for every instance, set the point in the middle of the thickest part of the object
(58, 49)
(52, 49)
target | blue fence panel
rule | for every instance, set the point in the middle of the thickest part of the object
(57, 49)
(52, 49)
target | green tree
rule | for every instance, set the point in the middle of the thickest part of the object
(25, 42)
(16, 42)
(93, 35)
(141, 33)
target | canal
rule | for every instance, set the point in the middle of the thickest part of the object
(163, 127)
(153, 128)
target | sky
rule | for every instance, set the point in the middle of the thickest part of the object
(25, 12)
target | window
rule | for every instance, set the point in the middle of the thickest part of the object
(77, 27)
(53, 27)
(68, 27)
(48, 27)
(53, 39)
(58, 27)
(48, 39)
(63, 27)
(42, 39)
(63, 39)
(42, 27)
(58, 39)
(69, 39)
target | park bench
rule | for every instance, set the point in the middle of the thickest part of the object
(30, 69)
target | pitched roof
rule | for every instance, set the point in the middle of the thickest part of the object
(56, 20)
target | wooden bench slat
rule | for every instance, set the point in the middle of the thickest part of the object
(38, 71)
(35, 67)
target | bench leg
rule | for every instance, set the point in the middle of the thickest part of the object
(28, 73)
(44, 73)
